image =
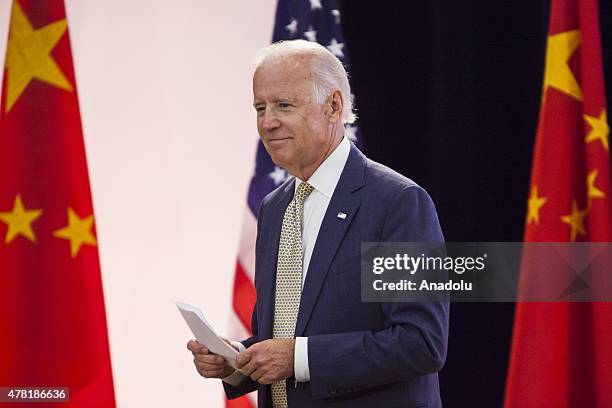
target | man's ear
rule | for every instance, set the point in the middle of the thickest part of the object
(333, 109)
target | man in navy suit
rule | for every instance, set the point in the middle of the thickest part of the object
(315, 343)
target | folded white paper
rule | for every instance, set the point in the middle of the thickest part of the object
(205, 334)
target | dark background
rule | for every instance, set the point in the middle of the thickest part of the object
(448, 94)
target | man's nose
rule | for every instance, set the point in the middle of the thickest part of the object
(269, 121)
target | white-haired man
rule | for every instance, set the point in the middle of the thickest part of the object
(314, 343)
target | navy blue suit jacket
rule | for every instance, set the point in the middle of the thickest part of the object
(360, 354)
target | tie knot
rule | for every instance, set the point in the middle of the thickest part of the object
(303, 190)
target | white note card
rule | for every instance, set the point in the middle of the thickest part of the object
(205, 334)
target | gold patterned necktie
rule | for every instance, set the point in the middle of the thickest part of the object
(289, 279)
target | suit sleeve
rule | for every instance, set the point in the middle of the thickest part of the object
(248, 385)
(414, 339)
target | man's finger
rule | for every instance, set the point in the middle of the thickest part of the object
(210, 359)
(211, 373)
(256, 375)
(201, 360)
(208, 370)
(266, 380)
(193, 345)
(242, 359)
(196, 347)
(248, 369)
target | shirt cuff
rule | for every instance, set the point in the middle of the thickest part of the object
(235, 378)
(238, 346)
(300, 363)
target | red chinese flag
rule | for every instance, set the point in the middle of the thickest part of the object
(52, 325)
(562, 352)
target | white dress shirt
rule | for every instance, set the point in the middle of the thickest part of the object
(324, 181)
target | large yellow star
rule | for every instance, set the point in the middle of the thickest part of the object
(28, 55)
(19, 221)
(592, 191)
(559, 50)
(576, 220)
(599, 129)
(535, 203)
(78, 231)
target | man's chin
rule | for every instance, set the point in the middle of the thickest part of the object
(279, 158)
(282, 164)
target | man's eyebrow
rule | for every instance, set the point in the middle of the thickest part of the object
(276, 100)
(285, 99)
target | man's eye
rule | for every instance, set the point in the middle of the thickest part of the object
(260, 109)
(284, 105)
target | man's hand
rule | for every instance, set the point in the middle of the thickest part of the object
(268, 361)
(209, 365)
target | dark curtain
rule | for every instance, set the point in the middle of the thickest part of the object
(448, 94)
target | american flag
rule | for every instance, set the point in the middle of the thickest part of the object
(313, 20)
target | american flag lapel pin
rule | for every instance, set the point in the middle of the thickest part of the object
(341, 215)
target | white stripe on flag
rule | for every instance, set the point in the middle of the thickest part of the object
(246, 250)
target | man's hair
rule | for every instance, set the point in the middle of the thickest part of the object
(328, 73)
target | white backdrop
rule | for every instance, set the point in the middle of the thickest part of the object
(165, 95)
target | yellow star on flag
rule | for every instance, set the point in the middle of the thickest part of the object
(559, 49)
(78, 232)
(28, 55)
(576, 220)
(599, 128)
(535, 203)
(592, 191)
(19, 221)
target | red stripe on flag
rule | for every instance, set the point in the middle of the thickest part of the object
(52, 317)
(561, 354)
(243, 302)
(244, 296)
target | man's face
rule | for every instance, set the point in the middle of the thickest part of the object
(292, 126)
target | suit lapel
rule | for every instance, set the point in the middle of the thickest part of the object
(331, 233)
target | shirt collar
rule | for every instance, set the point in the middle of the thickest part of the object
(327, 175)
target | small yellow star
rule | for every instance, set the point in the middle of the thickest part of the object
(576, 220)
(599, 129)
(19, 221)
(559, 50)
(28, 55)
(78, 231)
(535, 203)
(592, 191)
